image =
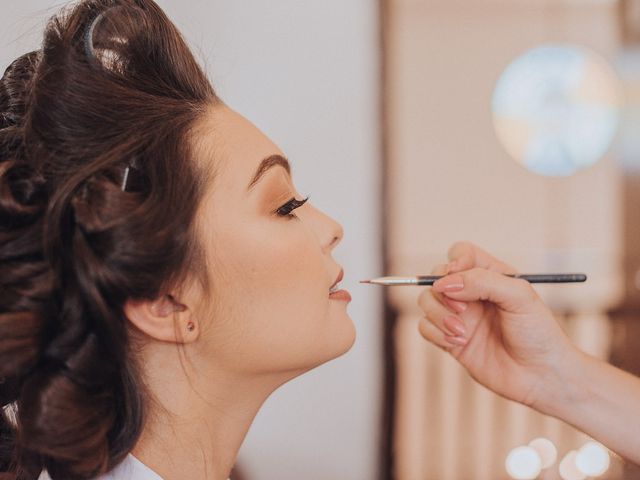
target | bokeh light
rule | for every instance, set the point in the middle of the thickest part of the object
(556, 109)
(568, 469)
(546, 449)
(523, 463)
(593, 459)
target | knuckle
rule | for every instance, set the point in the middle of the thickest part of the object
(508, 269)
(422, 327)
(428, 331)
(424, 299)
(430, 319)
(531, 292)
(527, 291)
(459, 245)
(439, 269)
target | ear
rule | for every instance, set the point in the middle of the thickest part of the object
(164, 319)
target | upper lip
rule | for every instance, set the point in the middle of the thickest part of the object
(338, 278)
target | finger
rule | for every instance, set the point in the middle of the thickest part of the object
(511, 294)
(440, 316)
(466, 255)
(434, 335)
(452, 305)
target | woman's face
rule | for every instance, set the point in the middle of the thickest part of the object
(268, 309)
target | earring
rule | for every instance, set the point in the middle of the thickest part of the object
(191, 326)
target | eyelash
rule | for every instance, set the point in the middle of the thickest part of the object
(286, 209)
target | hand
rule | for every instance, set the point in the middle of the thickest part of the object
(497, 327)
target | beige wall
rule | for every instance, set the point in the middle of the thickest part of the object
(450, 179)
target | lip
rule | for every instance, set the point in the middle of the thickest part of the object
(338, 278)
(342, 295)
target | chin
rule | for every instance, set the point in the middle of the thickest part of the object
(349, 338)
(337, 339)
(342, 339)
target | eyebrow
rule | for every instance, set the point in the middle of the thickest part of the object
(266, 164)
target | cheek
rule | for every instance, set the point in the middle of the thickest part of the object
(275, 280)
(276, 257)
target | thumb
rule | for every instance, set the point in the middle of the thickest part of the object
(513, 295)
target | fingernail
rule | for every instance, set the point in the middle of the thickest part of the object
(459, 307)
(450, 283)
(455, 326)
(460, 341)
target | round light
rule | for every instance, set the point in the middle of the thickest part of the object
(547, 451)
(523, 463)
(593, 459)
(556, 109)
(568, 469)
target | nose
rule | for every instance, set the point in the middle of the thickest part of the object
(328, 231)
(336, 237)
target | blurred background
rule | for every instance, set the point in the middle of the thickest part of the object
(473, 155)
(416, 123)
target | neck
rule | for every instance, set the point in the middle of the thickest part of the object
(196, 422)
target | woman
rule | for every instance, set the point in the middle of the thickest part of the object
(500, 331)
(160, 276)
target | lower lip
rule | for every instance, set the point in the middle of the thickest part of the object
(342, 295)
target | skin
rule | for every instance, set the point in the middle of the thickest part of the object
(265, 319)
(499, 329)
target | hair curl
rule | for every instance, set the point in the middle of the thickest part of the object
(113, 83)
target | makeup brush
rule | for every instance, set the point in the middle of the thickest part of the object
(430, 279)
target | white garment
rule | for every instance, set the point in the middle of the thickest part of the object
(129, 469)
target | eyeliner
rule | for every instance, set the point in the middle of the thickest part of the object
(430, 279)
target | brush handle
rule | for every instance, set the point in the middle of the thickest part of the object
(531, 278)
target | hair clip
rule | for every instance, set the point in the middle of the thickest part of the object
(133, 164)
(88, 36)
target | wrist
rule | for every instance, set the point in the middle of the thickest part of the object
(564, 387)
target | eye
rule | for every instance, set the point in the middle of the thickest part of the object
(286, 209)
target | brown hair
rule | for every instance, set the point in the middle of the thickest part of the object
(113, 86)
